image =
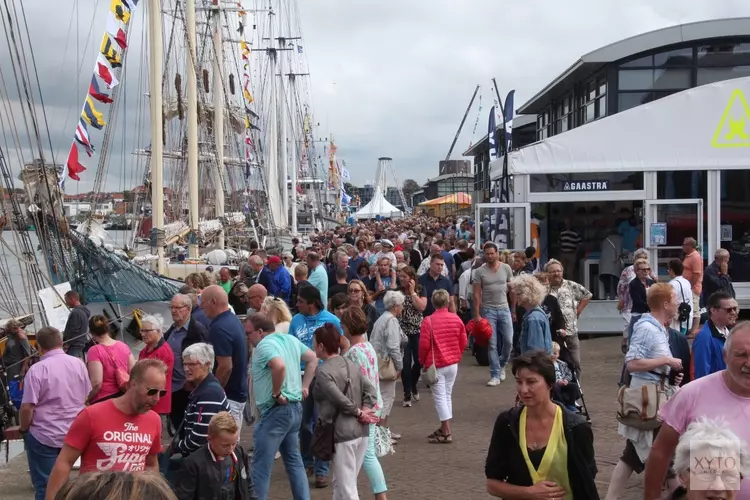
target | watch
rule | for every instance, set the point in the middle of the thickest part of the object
(276, 396)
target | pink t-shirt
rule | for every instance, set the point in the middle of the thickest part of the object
(119, 353)
(709, 397)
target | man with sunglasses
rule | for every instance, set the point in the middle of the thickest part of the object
(708, 346)
(121, 434)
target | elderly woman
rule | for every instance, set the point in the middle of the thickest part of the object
(205, 401)
(703, 442)
(648, 360)
(361, 353)
(289, 263)
(152, 334)
(637, 289)
(344, 394)
(105, 361)
(535, 326)
(359, 297)
(386, 338)
(624, 305)
(442, 341)
(278, 312)
(540, 450)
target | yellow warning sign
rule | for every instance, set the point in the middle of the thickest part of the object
(734, 128)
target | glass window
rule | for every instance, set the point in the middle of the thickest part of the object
(617, 181)
(627, 100)
(735, 222)
(682, 185)
(647, 79)
(590, 111)
(679, 57)
(641, 62)
(716, 74)
(724, 54)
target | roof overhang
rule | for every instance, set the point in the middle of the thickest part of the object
(704, 128)
(593, 61)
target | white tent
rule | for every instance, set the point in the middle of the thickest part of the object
(704, 128)
(378, 206)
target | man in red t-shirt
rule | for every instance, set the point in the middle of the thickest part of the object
(121, 434)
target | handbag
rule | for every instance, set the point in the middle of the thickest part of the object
(383, 441)
(638, 407)
(387, 368)
(122, 377)
(323, 440)
(429, 374)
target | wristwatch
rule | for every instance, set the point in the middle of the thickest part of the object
(276, 396)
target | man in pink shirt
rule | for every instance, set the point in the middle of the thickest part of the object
(54, 392)
(724, 394)
(693, 272)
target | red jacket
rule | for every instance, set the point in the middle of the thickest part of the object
(450, 339)
(164, 353)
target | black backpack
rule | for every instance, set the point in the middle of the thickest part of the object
(683, 310)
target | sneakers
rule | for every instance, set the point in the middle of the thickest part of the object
(321, 482)
(415, 395)
(395, 436)
(502, 375)
(494, 382)
(406, 403)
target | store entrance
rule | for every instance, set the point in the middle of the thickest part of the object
(594, 240)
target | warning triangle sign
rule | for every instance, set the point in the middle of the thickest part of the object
(734, 128)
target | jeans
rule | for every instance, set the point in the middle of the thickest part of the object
(41, 461)
(75, 351)
(442, 391)
(372, 466)
(309, 416)
(411, 371)
(501, 341)
(237, 409)
(348, 459)
(278, 430)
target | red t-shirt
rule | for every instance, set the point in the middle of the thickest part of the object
(164, 353)
(110, 440)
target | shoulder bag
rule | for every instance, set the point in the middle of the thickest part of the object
(122, 376)
(323, 440)
(429, 374)
(638, 407)
(386, 367)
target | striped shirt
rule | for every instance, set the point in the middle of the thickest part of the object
(204, 402)
(569, 240)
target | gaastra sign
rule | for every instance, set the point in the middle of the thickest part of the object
(574, 186)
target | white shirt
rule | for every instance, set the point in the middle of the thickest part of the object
(684, 294)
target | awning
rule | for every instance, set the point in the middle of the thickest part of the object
(704, 128)
(451, 199)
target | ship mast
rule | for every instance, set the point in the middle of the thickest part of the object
(218, 118)
(157, 145)
(192, 129)
(278, 217)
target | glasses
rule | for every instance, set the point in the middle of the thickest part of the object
(148, 330)
(191, 364)
(153, 392)
(356, 290)
(644, 268)
(732, 309)
(175, 308)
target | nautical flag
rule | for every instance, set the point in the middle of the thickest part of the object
(299, 49)
(96, 93)
(121, 11)
(246, 95)
(345, 198)
(245, 49)
(114, 28)
(130, 4)
(82, 137)
(91, 115)
(250, 112)
(73, 166)
(241, 28)
(104, 70)
(109, 52)
(345, 174)
(491, 134)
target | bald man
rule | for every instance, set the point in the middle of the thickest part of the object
(227, 335)
(255, 297)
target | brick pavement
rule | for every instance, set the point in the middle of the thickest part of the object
(420, 470)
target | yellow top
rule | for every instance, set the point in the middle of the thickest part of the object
(554, 464)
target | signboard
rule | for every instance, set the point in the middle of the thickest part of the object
(726, 232)
(54, 308)
(585, 186)
(658, 233)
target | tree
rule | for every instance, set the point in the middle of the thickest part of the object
(409, 188)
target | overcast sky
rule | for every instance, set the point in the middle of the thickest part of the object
(388, 77)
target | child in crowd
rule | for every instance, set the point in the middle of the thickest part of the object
(566, 389)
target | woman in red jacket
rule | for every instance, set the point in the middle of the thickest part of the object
(152, 334)
(442, 340)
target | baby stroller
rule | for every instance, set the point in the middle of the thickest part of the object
(571, 395)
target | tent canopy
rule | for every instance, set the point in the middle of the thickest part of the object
(378, 206)
(704, 128)
(451, 199)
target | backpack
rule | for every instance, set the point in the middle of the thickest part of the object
(683, 310)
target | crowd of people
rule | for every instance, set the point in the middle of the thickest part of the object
(309, 345)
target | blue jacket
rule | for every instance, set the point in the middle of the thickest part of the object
(535, 331)
(708, 351)
(280, 284)
(303, 327)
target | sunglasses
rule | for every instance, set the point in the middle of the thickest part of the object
(729, 309)
(154, 392)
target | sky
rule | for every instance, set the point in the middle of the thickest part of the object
(387, 77)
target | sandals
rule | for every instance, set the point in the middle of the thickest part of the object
(438, 437)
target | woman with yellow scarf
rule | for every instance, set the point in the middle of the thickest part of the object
(540, 450)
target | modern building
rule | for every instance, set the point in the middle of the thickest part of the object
(640, 143)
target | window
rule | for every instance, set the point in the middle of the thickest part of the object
(669, 58)
(654, 79)
(616, 181)
(543, 126)
(564, 115)
(682, 185)
(592, 101)
(735, 222)
(627, 100)
(724, 54)
(711, 75)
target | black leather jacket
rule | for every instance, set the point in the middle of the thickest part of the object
(200, 477)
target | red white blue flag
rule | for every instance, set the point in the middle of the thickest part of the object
(82, 137)
(96, 93)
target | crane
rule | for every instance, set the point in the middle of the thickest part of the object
(460, 127)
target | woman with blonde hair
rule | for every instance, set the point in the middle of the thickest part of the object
(358, 297)
(278, 312)
(535, 327)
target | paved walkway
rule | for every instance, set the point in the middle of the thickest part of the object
(420, 470)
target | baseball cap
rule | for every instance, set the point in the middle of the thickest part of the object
(273, 259)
